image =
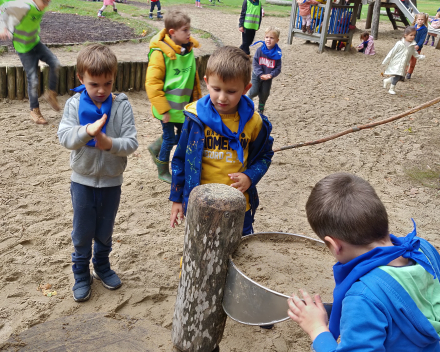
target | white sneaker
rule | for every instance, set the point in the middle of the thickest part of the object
(386, 81)
(392, 91)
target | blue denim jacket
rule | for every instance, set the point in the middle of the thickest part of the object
(187, 160)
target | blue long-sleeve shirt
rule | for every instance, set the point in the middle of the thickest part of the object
(262, 65)
(420, 36)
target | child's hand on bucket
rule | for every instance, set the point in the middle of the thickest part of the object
(311, 316)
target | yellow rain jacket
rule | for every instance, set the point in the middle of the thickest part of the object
(154, 82)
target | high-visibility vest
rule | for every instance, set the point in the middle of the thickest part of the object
(252, 17)
(26, 33)
(178, 84)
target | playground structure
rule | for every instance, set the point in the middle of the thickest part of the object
(330, 21)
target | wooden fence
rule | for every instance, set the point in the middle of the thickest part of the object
(130, 77)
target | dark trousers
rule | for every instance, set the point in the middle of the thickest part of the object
(170, 139)
(29, 61)
(247, 226)
(247, 38)
(153, 4)
(396, 79)
(94, 213)
(260, 88)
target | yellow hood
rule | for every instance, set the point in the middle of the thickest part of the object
(163, 42)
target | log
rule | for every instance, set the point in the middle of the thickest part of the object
(375, 20)
(19, 83)
(62, 86)
(213, 230)
(119, 76)
(369, 16)
(77, 82)
(3, 83)
(279, 2)
(70, 79)
(132, 76)
(45, 78)
(137, 82)
(201, 63)
(144, 74)
(26, 92)
(126, 77)
(11, 72)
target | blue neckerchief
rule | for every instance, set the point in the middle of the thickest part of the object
(418, 29)
(274, 53)
(365, 44)
(347, 274)
(434, 20)
(211, 118)
(88, 112)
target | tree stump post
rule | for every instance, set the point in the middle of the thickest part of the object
(119, 76)
(137, 83)
(3, 83)
(126, 78)
(19, 83)
(45, 78)
(375, 21)
(11, 82)
(144, 75)
(213, 230)
(70, 79)
(62, 88)
(132, 76)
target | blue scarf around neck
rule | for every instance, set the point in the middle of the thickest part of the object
(207, 113)
(274, 53)
(88, 112)
(419, 28)
(347, 274)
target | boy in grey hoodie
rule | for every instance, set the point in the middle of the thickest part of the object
(99, 129)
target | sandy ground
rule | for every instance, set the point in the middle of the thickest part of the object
(315, 96)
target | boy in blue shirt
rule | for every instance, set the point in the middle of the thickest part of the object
(223, 139)
(98, 127)
(387, 294)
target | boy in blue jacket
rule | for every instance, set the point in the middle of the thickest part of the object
(387, 294)
(235, 148)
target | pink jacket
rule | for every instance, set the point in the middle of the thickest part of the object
(304, 6)
(369, 50)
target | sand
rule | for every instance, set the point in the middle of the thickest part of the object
(315, 95)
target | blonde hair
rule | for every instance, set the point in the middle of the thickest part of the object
(437, 15)
(274, 30)
(229, 63)
(176, 19)
(96, 60)
(426, 16)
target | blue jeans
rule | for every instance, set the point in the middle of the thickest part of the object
(29, 61)
(247, 226)
(94, 213)
(170, 139)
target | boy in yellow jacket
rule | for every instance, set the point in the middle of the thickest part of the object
(172, 82)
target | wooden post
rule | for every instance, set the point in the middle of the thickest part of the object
(132, 76)
(369, 15)
(11, 82)
(62, 87)
(137, 83)
(19, 83)
(325, 22)
(77, 82)
(292, 21)
(26, 93)
(120, 77)
(126, 77)
(375, 21)
(214, 225)
(144, 75)
(45, 78)
(3, 83)
(70, 79)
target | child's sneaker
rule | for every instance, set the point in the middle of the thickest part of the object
(408, 76)
(432, 44)
(51, 97)
(83, 286)
(115, 10)
(425, 43)
(107, 276)
(392, 91)
(100, 15)
(150, 16)
(37, 117)
(159, 15)
(386, 81)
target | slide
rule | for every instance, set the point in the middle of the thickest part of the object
(410, 12)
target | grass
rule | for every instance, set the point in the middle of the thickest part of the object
(426, 177)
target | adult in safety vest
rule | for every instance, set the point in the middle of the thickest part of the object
(20, 21)
(171, 83)
(249, 22)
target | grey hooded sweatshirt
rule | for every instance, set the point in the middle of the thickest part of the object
(91, 166)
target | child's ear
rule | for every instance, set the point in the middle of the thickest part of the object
(333, 244)
(171, 31)
(206, 80)
(77, 75)
(247, 88)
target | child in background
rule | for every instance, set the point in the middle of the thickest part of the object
(223, 139)
(435, 23)
(398, 58)
(172, 82)
(98, 128)
(198, 4)
(153, 4)
(387, 294)
(367, 45)
(305, 13)
(249, 22)
(20, 21)
(421, 25)
(107, 3)
(266, 66)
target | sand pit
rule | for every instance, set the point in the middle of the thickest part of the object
(315, 96)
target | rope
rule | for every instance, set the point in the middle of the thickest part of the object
(362, 127)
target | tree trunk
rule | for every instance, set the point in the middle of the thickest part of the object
(214, 225)
(375, 21)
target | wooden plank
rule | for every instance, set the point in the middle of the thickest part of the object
(3, 82)
(11, 72)
(19, 83)
(293, 13)
(375, 21)
(325, 23)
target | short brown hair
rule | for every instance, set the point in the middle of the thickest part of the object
(229, 63)
(346, 207)
(96, 60)
(364, 35)
(274, 30)
(176, 19)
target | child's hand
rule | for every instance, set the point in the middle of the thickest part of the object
(5, 34)
(166, 117)
(242, 181)
(241, 29)
(103, 142)
(94, 128)
(310, 316)
(422, 57)
(416, 47)
(176, 208)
